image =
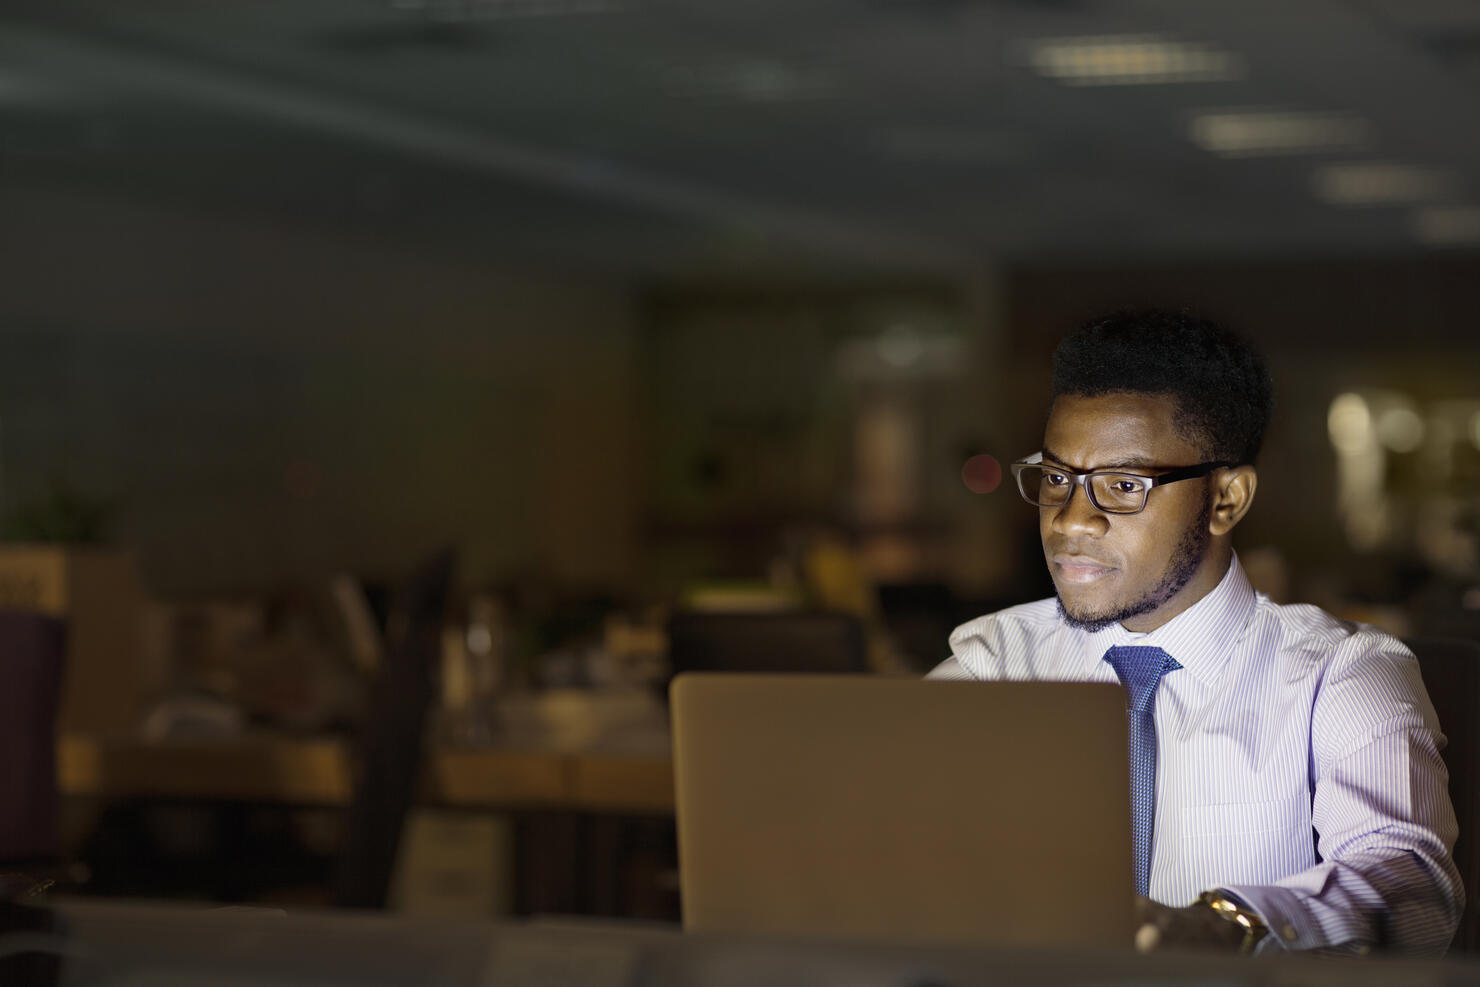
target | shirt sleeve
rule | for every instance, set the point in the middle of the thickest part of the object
(950, 670)
(1385, 828)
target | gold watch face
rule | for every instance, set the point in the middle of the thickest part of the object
(1226, 908)
(1254, 928)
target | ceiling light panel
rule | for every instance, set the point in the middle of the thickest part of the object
(1381, 183)
(1252, 133)
(1130, 60)
(1445, 226)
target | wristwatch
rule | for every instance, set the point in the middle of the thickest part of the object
(1233, 910)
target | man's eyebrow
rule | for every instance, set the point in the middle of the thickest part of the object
(1133, 462)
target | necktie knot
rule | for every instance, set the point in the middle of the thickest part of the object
(1140, 669)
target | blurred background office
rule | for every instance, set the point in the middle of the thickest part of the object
(653, 307)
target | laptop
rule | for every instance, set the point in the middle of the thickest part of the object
(862, 807)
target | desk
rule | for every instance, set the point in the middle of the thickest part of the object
(573, 806)
(132, 943)
(317, 771)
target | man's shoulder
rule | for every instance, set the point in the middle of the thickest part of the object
(1304, 634)
(1364, 681)
(1040, 616)
(1004, 644)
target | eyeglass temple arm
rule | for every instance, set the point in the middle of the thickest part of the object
(1186, 473)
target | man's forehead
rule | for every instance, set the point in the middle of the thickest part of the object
(1119, 429)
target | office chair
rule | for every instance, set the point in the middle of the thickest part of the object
(1451, 674)
(389, 748)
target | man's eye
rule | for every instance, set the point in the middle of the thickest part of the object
(1126, 487)
(1054, 479)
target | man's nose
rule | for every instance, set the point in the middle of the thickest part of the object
(1078, 516)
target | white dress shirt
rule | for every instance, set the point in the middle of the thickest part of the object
(1297, 762)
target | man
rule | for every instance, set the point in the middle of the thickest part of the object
(1287, 787)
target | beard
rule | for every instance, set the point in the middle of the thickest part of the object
(1191, 549)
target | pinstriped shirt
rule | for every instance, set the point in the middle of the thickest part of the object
(1297, 764)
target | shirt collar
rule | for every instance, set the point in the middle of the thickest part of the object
(1201, 637)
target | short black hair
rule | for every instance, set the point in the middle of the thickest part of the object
(1222, 388)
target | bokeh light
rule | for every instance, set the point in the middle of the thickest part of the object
(1350, 424)
(982, 473)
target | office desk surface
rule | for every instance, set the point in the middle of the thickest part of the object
(124, 943)
(318, 771)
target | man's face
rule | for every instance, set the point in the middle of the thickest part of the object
(1138, 569)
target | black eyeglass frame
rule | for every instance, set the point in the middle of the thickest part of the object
(1173, 475)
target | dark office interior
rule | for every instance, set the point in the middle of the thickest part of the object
(396, 394)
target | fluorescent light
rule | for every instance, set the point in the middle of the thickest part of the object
(1447, 226)
(1379, 183)
(1130, 59)
(1247, 133)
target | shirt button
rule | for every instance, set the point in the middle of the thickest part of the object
(1289, 932)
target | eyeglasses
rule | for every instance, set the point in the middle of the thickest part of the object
(1110, 492)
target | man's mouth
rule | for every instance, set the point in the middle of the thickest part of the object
(1080, 568)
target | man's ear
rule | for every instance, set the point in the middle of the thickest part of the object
(1234, 495)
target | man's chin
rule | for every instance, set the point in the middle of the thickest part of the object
(1085, 619)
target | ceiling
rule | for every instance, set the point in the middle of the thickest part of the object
(671, 136)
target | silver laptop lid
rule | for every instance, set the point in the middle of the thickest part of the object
(862, 807)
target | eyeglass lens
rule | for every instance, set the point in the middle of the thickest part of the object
(1117, 493)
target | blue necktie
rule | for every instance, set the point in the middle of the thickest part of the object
(1139, 670)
